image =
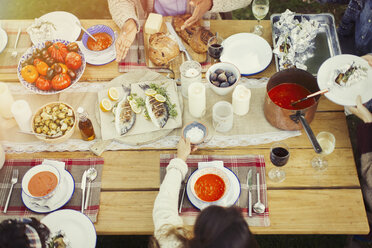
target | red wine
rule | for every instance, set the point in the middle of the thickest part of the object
(279, 156)
(215, 50)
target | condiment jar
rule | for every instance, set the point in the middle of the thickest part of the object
(85, 125)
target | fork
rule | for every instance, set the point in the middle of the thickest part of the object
(13, 181)
(183, 192)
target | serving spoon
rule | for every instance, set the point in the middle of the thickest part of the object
(91, 176)
(258, 207)
(86, 31)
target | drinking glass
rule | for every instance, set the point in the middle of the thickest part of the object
(327, 142)
(259, 9)
(222, 116)
(279, 155)
(215, 47)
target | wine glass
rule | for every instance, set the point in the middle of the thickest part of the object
(279, 155)
(215, 47)
(327, 142)
(259, 9)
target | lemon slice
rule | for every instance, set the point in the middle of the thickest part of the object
(105, 105)
(160, 98)
(113, 94)
(136, 109)
(150, 92)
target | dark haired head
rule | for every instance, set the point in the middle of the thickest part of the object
(218, 227)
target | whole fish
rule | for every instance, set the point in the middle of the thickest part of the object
(124, 115)
(158, 111)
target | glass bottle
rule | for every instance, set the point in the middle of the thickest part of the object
(85, 125)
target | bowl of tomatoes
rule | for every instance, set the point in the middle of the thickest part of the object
(51, 67)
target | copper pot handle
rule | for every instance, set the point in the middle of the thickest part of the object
(309, 132)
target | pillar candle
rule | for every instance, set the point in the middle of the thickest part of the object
(6, 101)
(240, 100)
(197, 101)
(22, 114)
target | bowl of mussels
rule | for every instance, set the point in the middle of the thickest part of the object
(223, 77)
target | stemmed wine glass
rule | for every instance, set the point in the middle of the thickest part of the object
(259, 9)
(279, 155)
(215, 47)
(327, 142)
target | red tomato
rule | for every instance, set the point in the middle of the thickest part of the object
(61, 81)
(43, 83)
(58, 51)
(73, 60)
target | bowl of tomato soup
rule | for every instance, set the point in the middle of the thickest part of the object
(41, 181)
(104, 35)
(209, 184)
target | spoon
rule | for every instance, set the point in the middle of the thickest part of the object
(86, 31)
(15, 53)
(91, 175)
(258, 207)
(320, 92)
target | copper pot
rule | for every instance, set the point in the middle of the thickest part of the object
(287, 119)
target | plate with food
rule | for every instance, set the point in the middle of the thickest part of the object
(346, 76)
(3, 39)
(72, 227)
(224, 183)
(55, 25)
(250, 53)
(51, 67)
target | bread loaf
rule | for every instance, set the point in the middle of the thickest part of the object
(196, 35)
(162, 49)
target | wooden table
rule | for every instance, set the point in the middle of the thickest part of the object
(307, 202)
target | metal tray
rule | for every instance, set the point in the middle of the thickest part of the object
(326, 41)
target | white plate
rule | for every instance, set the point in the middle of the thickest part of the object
(249, 52)
(3, 39)
(62, 196)
(94, 59)
(78, 228)
(344, 95)
(65, 23)
(230, 199)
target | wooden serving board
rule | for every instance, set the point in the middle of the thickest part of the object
(174, 64)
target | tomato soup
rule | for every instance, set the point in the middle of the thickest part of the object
(284, 94)
(104, 40)
(209, 187)
(42, 183)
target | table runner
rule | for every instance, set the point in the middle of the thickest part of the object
(240, 166)
(76, 167)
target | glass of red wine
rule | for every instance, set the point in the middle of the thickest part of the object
(279, 155)
(215, 47)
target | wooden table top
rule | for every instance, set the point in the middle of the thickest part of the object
(307, 202)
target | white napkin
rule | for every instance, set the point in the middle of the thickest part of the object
(217, 163)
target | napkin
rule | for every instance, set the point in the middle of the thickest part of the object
(218, 164)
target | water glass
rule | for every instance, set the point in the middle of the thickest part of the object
(223, 116)
(327, 142)
(190, 73)
(260, 8)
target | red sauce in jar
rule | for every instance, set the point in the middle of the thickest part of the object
(284, 94)
(42, 183)
(104, 40)
(209, 187)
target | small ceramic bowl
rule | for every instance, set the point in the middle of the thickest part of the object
(35, 170)
(226, 67)
(210, 170)
(191, 131)
(100, 28)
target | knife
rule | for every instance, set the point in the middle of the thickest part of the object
(180, 44)
(83, 183)
(249, 186)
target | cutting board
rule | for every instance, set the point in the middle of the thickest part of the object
(174, 64)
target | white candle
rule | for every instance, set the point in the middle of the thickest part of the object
(22, 114)
(197, 101)
(240, 100)
(190, 73)
(6, 101)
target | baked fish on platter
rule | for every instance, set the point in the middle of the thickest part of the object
(124, 115)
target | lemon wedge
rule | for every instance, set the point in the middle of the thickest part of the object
(150, 92)
(113, 94)
(136, 109)
(105, 105)
(160, 98)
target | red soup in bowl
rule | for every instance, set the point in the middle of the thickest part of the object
(210, 187)
(104, 40)
(42, 183)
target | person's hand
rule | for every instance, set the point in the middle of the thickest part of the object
(201, 6)
(125, 39)
(361, 111)
(368, 57)
(184, 149)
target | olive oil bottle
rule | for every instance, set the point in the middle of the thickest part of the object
(85, 125)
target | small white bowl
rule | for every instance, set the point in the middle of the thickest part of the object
(191, 125)
(33, 171)
(226, 67)
(210, 170)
